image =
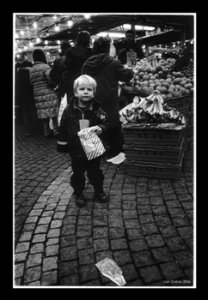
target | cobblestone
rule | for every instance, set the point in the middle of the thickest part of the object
(146, 228)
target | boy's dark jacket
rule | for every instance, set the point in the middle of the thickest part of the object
(68, 140)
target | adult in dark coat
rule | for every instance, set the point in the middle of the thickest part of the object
(58, 68)
(129, 43)
(74, 59)
(26, 100)
(107, 71)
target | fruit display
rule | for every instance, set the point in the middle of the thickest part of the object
(151, 109)
(162, 78)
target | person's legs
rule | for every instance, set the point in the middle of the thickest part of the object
(27, 120)
(46, 128)
(55, 126)
(115, 139)
(96, 179)
(78, 180)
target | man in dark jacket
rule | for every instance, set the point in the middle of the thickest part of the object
(127, 44)
(74, 59)
(107, 71)
(58, 68)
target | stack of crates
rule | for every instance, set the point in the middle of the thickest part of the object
(185, 106)
(153, 152)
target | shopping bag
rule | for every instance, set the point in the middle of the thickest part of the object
(51, 126)
(63, 104)
(91, 143)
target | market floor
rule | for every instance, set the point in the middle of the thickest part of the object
(146, 228)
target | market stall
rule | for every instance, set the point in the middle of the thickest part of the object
(161, 71)
(154, 135)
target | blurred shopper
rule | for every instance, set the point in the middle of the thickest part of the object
(58, 68)
(107, 71)
(128, 44)
(46, 100)
(74, 59)
(25, 96)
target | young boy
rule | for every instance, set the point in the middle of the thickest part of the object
(83, 111)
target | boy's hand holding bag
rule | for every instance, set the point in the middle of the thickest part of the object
(91, 143)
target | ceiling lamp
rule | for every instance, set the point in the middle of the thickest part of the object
(87, 16)
(46, 42)
(70, 23)
(57, 28)
(126, 26)
(35, 25)
(38, 40)
(22, 32)
(111, 34)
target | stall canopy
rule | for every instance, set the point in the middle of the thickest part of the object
(171, 25)
(101, 22)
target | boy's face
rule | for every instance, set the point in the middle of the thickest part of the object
(84, 92)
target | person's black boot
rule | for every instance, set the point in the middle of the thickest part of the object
(80, 200)
(100, 196)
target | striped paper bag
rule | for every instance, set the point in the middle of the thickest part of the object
(91, 143)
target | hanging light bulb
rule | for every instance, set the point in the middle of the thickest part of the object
(25, 48)
(70, 23)
(57, 28)
(55, 17)
(38, 40)
(31, 44)
(46, 42)
(35, 25)
(59, 42)
(87, 16)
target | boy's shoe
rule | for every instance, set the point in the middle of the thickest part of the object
(80, 200)
(101, 197)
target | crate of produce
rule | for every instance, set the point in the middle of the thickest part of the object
(144, 135)
(155, 170)
(154, 154)
(183, 104)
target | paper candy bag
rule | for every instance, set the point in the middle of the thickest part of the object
(91, 143)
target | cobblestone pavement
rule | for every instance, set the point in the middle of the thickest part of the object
(147, 227)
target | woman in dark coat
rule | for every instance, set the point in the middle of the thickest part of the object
(74, 59)
(46, 100)
(107, 71)
(26, 100)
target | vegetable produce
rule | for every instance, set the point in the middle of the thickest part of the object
(150, 110)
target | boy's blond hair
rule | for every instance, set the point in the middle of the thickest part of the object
(85, 78)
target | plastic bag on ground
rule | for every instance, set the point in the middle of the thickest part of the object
(110, 269)
(118, 159)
